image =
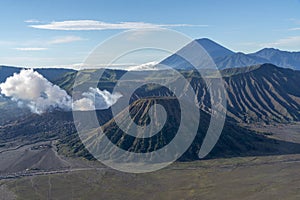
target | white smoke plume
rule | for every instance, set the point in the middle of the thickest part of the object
(32, 90)
(96, 99)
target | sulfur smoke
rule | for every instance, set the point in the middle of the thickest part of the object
(96, 99)
(30, 89)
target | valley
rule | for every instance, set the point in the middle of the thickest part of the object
(274, 177)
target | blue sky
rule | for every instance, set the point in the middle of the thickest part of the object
(39, 33)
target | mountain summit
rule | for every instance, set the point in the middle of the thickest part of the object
(214, 49)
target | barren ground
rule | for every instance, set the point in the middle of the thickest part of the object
(269, 177)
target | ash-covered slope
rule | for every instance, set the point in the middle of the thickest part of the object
(264, 93)
(234, 141)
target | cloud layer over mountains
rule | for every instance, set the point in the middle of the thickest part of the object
(30, 89)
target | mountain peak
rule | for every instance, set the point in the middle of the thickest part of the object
(268, 50)
(214, 49)
(269, 68)
(205, 40)
(268, 65)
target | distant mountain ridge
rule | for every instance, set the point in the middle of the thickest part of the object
(225, 58)
(51, 74)
(280, 58)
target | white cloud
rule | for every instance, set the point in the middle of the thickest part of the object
(7, 43)
(66, 39)
(294, 29)
(99, 25)
(57, 40)
(81, 66)
(76, 66)
(146, 66)
(294, 20)
(30, 49)
(290, 43)
(118, 66)
(32, 21)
